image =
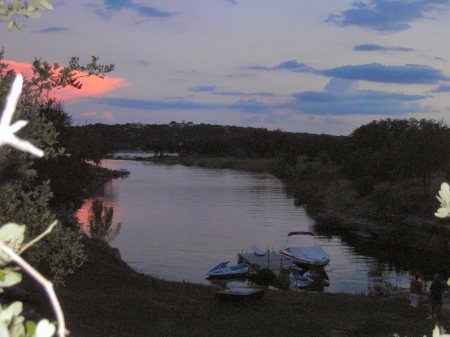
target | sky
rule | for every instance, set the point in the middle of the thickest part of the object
(317, 66)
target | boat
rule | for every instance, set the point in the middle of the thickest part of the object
(226, 270)
(298, 279)
(240, 294)
(312, 256)
(315, 277)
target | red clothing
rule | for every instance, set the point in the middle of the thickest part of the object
(415, 287)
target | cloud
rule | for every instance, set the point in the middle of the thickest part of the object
(376, 47)
(203, 88)
(233, 2)
(386, 15)
(244, 94)
(342, 97)
(142, 63)
(89, 114)
(91, 85)
(442, 88)
(373, 72)
(106, 116)
(160, 105)
(109, 116)
(376, 72)
(251, 106)
(52, 29)
(142, 10)
(209, 88)
(291, 65)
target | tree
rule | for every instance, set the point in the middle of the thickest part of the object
(396, 149)
(100, 222)
(24, 198)
(422, 150)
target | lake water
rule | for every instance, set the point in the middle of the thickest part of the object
(178, 222)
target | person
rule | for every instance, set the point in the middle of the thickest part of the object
(415, 290)
(437, 287)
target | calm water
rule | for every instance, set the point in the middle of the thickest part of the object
(178, 222)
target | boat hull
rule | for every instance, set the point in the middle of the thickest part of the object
(224, 271)
(306, 256)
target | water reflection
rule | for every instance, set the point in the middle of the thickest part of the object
(97, 218)
(179, 221)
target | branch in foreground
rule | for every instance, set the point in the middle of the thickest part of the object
(46, 284)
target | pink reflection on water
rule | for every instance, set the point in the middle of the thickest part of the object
(84, 212)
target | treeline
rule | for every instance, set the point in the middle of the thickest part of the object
(202, 139)
(384, 150)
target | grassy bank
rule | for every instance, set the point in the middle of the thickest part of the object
(108, 299)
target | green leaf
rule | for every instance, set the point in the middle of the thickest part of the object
(12, 233)
(45, 328)
(46, 4)
(16, 308)
(4, 332)
(31, 328)
(32, 14)
(10, 312)
(9, 278)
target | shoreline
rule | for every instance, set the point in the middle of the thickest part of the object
(108, 298)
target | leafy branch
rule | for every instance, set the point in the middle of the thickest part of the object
(10, 9)
(50, 76)
(44, 328)
(11, 245)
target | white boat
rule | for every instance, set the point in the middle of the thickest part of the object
(306, 256)
(226, 270)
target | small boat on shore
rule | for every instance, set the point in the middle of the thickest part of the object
(226, 270)
(300, 280)
(316, 277)
(313, 256)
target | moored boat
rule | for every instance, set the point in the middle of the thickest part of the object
(312, 278)
(306, 256)
(226, 270)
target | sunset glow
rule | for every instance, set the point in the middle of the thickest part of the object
(91, 85)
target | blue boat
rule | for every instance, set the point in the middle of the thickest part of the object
(226, 270)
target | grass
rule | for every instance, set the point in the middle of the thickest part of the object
(107, 298)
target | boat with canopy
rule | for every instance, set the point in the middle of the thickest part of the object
(305, 256)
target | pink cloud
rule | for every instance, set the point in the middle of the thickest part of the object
(89, 114)
(92, 85)
(109, 116)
